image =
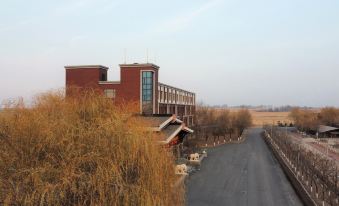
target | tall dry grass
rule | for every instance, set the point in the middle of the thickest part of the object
(81, 151)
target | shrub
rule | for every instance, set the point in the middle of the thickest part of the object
(83, 150)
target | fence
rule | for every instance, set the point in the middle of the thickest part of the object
(318, 175)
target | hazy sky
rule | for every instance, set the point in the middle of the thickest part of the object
(227, 51)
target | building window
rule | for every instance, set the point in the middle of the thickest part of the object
(109, 93)
(147, 92)
(103, 77)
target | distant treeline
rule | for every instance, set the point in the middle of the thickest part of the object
(261, 108)
(286, 108)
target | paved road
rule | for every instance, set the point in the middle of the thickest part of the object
(241, 174)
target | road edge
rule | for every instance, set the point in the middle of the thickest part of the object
(296, 184)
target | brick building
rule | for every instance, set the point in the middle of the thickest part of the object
(171, 109)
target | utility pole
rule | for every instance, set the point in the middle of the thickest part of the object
(125, 54)
(146, 55)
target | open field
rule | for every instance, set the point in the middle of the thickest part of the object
(260, 118)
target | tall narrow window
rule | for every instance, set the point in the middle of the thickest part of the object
(147, 92)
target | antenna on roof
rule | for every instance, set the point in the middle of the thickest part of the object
(155, 57)
(146, 55)
(125, 53)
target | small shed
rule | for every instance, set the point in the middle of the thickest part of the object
(328, 131)
(173, 130)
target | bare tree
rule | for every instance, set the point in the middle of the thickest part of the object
(216, 123)
(205, 121)
(243, 120)
(306, 120)
(329, 116)
(223, 122)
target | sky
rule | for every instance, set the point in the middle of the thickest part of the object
(230, 52)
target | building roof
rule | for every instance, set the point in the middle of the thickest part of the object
(171, 131)
(186, 129)
(168, 125)
(156, 121)
(86, 67)
(324, 128)
(140, 65)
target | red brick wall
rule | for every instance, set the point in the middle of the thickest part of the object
(130, 84)
(84, 78)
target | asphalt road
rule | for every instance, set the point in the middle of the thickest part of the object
(241, 174)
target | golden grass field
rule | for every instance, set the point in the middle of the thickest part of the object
(261, 118)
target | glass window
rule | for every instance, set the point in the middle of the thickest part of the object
(147, 92)
(103, 77)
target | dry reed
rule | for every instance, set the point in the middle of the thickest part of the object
(82, 151)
